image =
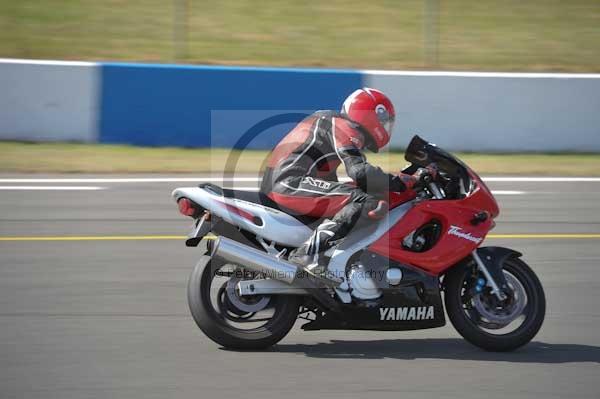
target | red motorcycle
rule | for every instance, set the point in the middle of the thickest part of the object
(386, 275)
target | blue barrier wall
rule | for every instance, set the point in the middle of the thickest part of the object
(170, 105)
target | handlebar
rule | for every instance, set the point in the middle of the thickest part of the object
(428, 181)
(435, 190)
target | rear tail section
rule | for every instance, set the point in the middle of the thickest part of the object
(262, 221)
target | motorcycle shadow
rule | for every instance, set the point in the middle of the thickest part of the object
(448, 348)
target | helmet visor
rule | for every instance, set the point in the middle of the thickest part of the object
(384, 117)
(388, 125)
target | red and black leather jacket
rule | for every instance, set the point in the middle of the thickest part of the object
(317, 146)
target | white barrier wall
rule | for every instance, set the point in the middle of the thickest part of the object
(48, 101)
(495, 111)
(170, 104)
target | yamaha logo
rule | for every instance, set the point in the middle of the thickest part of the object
(407, 313)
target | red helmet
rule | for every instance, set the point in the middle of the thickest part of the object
(374, 111)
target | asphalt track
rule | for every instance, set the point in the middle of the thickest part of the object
(108, 318)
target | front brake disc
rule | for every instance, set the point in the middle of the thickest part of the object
(496, 316)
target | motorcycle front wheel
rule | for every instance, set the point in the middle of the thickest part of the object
(233, 321)
(487, 322)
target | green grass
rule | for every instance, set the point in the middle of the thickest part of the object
(534, 35)
(82, 158)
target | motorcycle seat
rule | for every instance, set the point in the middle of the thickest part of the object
(256, 197)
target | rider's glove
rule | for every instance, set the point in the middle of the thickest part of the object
(379, 212)
(409, 181)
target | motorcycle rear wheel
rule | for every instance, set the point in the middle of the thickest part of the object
(216, 325)
(474, 329)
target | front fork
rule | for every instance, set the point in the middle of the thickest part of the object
(491, 281)
(495, 277)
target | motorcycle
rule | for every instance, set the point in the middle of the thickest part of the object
(385, 275)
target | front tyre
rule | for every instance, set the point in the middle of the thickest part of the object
(232, 321)
(487, 322)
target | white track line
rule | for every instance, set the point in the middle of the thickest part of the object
(199, 179)
(52, 188)
(134, 180)
(508, 192)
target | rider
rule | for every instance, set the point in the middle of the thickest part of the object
(301, 170)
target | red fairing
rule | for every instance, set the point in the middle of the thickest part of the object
(396, 199)
(459, 237)
(482, 197)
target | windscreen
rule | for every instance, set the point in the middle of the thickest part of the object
(422, 153)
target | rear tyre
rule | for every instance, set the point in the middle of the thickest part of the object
(470, 314)
(216, 321)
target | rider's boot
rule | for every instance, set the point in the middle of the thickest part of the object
(310, 254)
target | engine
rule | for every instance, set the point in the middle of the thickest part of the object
(367, 283)
(423, 238)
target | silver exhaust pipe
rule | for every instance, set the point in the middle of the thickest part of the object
(277, 269)
(255, 260)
